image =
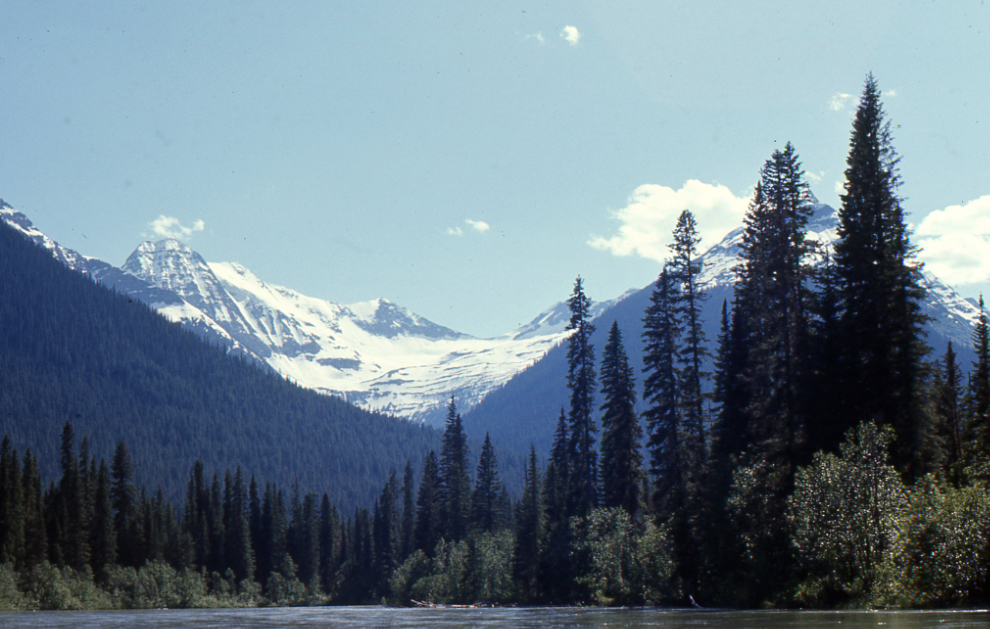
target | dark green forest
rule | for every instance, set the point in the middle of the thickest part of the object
(827, 459)
(117, 370)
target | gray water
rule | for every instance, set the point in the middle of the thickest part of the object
(502, 618)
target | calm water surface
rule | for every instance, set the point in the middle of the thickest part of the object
(542, 618)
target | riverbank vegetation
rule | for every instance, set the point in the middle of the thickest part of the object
(827, 461)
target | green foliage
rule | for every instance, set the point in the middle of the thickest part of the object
(844, 514)
(48, 587)
(946, 543)
(489, 573)
(445, 582)
(630, 562)
(11, 598)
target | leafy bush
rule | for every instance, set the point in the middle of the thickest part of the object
(10, 597)
(844, 513)
(628, 562)
(946, 543)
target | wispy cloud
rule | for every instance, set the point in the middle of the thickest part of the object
(171, 227)
(955, 242)
(537, 36)
(478, 226)
(571, 35)
(648, 219)
(839, 101)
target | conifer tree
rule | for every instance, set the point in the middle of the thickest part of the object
(773, 297)
(72, 512)
(385, 529)
(881, 290)
(123, 497)
(621, 461)
(555, 574)
(685, 269)
(486, 498)
(11, 506)
(948, 415)
(239, 555)
(529, 531)
(455, 483)
(408, 511)
(583, 459)
(660, 335)
(978, 426)
(330, 545)
(103, 540)
(825, 422)
(35, 535)
(427, 530)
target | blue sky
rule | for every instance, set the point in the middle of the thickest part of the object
(468, 161)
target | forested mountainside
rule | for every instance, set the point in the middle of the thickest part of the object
(73, 351)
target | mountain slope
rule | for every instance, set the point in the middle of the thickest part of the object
(73, 351)
(374, 354)
(526, 408)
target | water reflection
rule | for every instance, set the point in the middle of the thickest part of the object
(502, 618)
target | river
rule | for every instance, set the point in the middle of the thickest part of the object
(500, 618)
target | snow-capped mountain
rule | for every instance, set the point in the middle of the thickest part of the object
(952, 315)
(375, 354)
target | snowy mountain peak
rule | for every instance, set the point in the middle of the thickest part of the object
(171, 265)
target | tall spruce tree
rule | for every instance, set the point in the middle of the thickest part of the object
(685, 268)
(71, 506)
(103, 539)
(427, 530)
(385, 533)
(621, 461)
(455, 482)
(773, 291)
(948, 417)
(660, 336)
(529, 531)
(486, 504)
(881, 321)
(583, 463)
(978, 426)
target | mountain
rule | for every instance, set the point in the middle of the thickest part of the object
(525, 409)
(375, 354)
(71, 350)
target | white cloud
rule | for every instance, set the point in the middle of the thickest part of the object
(478, 226)
(840, 188)
(171, 227)
(649, 217)
(571, 35)
(955, 242)
(537, 36)
(890, 93)
(815, 178)
(839, 101)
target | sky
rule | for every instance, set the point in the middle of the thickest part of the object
(469, 160)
